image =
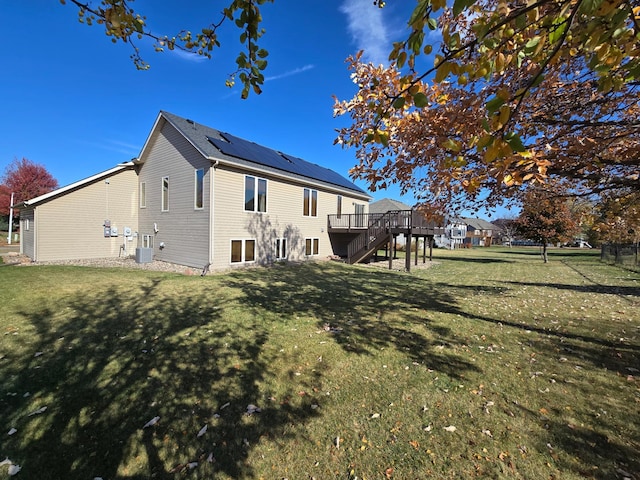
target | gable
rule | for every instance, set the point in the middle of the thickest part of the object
(223, 147)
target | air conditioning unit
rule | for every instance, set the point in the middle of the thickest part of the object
(144, 255)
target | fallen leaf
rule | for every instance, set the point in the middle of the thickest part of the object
(38, 411)
(14, 469)
(151, 422)
(12, 431)
(202, 431)
(375, 415)
(487, 433)
(251, 409)
(450, 428)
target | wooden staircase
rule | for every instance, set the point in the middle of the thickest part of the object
(365, 245)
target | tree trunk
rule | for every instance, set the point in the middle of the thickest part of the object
(545, 257)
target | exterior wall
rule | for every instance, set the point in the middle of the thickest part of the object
(183, 229)
(283, 219)
(71, 226)
(27, 232)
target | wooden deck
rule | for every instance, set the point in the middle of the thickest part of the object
(369, 232)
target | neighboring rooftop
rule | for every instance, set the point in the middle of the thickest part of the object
(479, 223)
(387, 205)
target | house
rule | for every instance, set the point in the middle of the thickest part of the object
(479, 232)
(466, 232)
(455, 232)
(195, 196)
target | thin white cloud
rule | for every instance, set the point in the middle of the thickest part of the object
(295, 71)
(191, 57)
(368, 30)
(114, 146)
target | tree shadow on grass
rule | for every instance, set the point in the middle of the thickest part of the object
(360, 307)
(572, 447)
(106, 363)
(625, 291)
(467, 259)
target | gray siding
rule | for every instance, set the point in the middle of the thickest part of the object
(183, 229)
(27, 232)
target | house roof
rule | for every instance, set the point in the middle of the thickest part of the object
(59, 191)
(386, 205)
(479, 224)
(227, 148)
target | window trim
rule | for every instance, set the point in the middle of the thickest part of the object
(310, 202)
(281, 248)
(142, 193)
(311, 247)
(198, 189)
(147, 240)
(243, 250)
(164, 197)
(258, 182)
(339, 207)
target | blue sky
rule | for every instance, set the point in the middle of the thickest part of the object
(75, 103)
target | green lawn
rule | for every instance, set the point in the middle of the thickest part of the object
(490, 364)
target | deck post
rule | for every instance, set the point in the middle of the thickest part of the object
(417, 248)
(430, 249)
(390, 256)
(424, 249)
(407, 254)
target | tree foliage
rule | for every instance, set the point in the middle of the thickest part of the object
(122, 23)
(618, 219)
(518, 93)
(545, 219)
(26, 180)
(512, 93)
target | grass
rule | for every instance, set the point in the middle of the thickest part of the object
(490, 364)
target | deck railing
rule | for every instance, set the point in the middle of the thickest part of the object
(392, 219)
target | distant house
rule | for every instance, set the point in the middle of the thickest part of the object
(198, 197)
(466, 232)
(387, 205)
(479, 232)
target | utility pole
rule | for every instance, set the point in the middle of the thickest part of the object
(10, 219)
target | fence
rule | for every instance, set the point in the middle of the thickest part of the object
(621, 254)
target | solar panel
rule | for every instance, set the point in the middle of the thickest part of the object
(240, 148)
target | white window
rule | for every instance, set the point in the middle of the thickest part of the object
(281, 248)
(243, 251)
(311, 246)
(310, 203)
(165, 194)
(147, 241)
(199, 189)
(255, 194)
(143, 195)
